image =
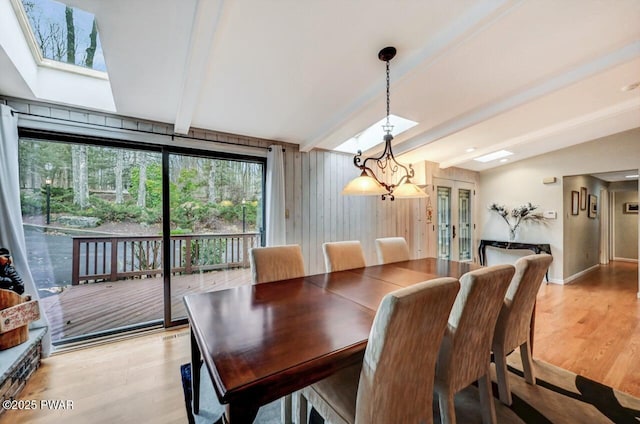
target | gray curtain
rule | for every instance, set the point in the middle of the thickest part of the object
(11, 230)
(274, 198)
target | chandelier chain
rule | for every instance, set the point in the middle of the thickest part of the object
(388, 95)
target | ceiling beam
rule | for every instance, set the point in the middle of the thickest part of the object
(206, 17)
(565, 79)
(476, 19)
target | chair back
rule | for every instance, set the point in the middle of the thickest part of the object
(466, 348)
(342, 255)
(392, 249)
(276, 263)
(513, 325)
(396, 381)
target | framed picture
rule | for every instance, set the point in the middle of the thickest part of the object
(631, 207)
(575, 202)
(583, 198)
(593, 206)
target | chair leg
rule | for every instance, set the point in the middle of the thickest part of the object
(302, 408)
(503, 379)
(527, 363)
(447, 407)
(285, 408)
(486, 399)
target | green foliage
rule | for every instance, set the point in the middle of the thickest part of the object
(31, 203)
(112, 212)
(153, 185)
(206, 252)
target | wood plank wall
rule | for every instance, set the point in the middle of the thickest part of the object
(317, 212)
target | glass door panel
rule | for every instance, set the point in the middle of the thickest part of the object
(464, 225)
(215, 218)
(444, 222)
(92, 222)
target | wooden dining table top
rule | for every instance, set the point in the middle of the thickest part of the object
(264, 341)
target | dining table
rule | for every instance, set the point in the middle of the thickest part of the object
(262, 342)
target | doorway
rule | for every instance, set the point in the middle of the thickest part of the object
(454, 219)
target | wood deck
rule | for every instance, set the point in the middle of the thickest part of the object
(98, 307)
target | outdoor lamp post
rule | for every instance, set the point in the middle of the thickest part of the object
(48, 167)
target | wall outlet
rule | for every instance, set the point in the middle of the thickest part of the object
(550, 214)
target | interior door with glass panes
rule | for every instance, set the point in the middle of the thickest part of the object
(454, 219)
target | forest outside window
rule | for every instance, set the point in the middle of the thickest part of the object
(61, 36)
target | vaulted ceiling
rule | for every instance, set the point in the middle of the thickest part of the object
(528, 76)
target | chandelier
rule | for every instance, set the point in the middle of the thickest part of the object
(368, 183)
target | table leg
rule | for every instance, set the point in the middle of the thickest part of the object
(196, 364)
(240, 414)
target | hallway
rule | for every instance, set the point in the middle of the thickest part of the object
(592, 326)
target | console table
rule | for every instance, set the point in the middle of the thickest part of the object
(535, 247)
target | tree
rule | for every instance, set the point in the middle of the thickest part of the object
(142, 182)
(80, 175)
(91, 50)
(118, 169)
(71, 35)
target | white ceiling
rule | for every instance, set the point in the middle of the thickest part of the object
(528, 76)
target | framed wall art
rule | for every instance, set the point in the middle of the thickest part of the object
(575, 202)
(631, 207)
(583, 198)
(593, 206)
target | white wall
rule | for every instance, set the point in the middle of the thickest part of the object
(625, 227)
(521, 182)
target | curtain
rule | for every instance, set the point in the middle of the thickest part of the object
(274, 198)
(11, 231)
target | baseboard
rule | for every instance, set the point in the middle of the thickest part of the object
(580, 274)
(625, 259)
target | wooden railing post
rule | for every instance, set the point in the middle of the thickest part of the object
(188, 255)
(245, 250)
(75, 262)
(114, 259)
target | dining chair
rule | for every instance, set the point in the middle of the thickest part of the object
(342, 255)
(276, 263)
(465, 353)
(392, 249)
(513, 327)
(394, 382)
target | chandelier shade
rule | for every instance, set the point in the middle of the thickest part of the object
(364, 185)
(368, 183)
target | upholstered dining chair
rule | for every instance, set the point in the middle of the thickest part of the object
(276, 263)
(392, 249)
(394, 383)
(272, 264)
(513, 328)
(342, 255)
(465, 353)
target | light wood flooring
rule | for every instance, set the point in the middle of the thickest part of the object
(591, 327)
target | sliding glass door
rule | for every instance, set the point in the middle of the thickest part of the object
(92, 221)
(215, 218)
(96, 220)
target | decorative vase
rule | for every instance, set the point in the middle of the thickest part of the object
(512, 233)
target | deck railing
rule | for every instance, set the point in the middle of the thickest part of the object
(112, 258)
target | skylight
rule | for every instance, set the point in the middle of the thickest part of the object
(372, 136)
(60, 34)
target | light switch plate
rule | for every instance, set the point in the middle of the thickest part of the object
(550, 214)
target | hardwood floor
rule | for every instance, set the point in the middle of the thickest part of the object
(591, 327)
